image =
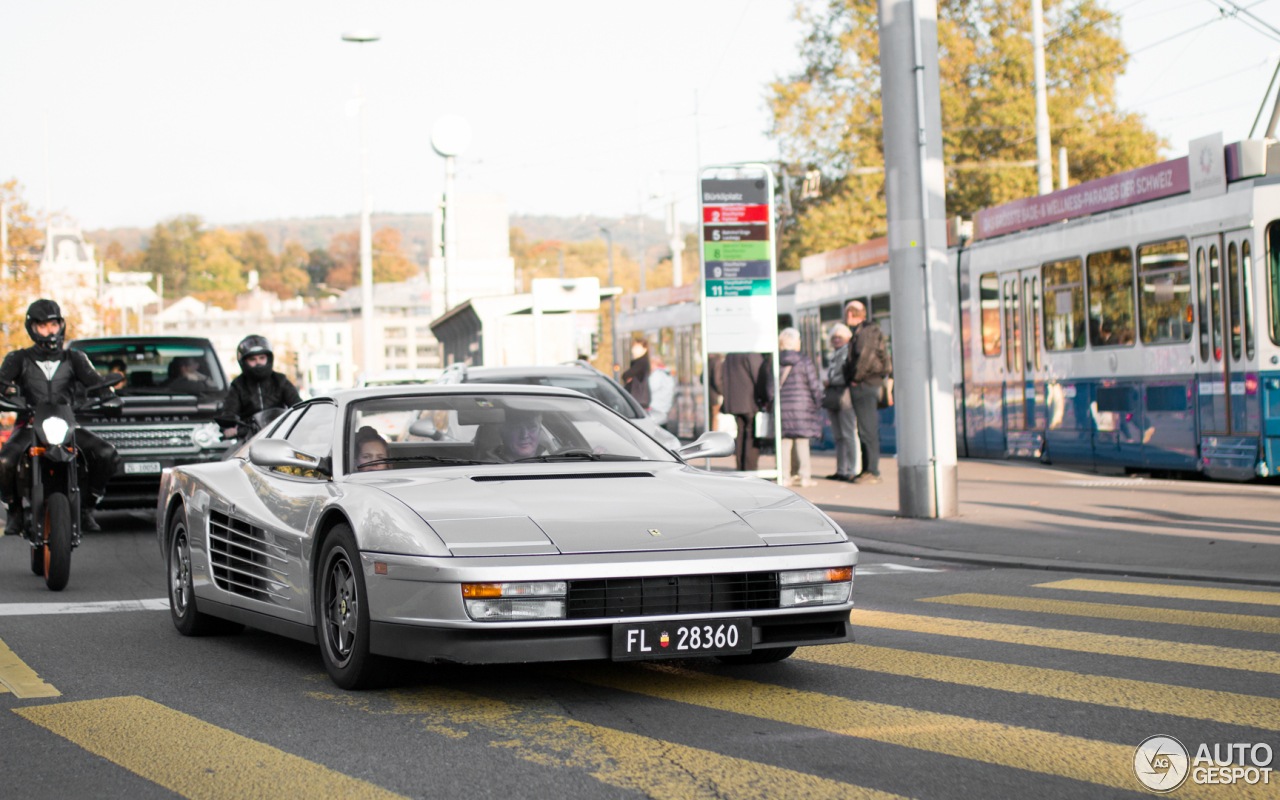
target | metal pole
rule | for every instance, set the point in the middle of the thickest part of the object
(1062, 168)
(367, 309)
(677, 246)
(1044, 155)
(613, 309)
(920, 281)
(450, 227)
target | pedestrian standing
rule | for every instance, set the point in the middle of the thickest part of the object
(662, 391)
(839, 407)
(866, 368)
(746, 384)
(636, 378)
(800, 393)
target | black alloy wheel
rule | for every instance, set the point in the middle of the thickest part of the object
(182, 599)
(57, 541)
(342, 613)
(769, 656)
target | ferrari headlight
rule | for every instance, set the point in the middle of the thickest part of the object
(523, 600)
(206, 435)
(55, 430)
(815, 587)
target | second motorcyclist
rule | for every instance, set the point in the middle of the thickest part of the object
(258, 387)
(47, 372)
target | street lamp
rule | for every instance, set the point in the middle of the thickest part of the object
(360, 37)
(613, 310)
(449, 138)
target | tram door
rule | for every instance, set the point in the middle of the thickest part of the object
(1021, 298)
(1224, 265)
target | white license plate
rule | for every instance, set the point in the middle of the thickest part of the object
(141, 467)
(683, 639)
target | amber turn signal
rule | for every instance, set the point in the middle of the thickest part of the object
(840, 574)
(36, 451)
(379, 568)
(482, 590)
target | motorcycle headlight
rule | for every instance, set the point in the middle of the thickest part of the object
(55, 430)
(206, 435)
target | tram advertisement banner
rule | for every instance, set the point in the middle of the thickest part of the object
(740, 301)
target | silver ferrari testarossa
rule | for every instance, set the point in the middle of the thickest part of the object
(486, 524)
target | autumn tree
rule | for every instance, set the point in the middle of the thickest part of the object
(319, 262)
(344, 249)
(390, 264)
(828, 115)
(290, 277)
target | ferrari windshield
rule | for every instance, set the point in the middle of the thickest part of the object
(449, 429)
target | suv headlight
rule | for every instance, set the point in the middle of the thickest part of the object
(526, 600)
(206, 435)
(55, 430)
(815, 587)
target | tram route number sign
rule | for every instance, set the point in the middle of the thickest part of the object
(740, 299)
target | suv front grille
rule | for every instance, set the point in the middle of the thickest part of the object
(242, 559)
(674, 594)
(158, 438)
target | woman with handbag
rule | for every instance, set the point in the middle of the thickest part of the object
(800, 392)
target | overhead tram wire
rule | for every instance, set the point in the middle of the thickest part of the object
(1272, 33)
(1263, 105)
(1245, 10)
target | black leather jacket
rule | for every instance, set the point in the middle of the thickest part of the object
(248, 396)
(50, 379)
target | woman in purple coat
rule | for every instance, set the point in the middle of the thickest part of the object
(801, 395)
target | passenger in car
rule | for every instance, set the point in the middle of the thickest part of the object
(371, 449)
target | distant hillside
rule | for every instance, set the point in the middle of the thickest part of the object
(313, 232)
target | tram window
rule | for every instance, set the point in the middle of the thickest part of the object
(1032, 294)
(1202, 302)
(1063, 305)
(1165, 312)
(1246, 277)
(1012, 325)
(1215, 301)
(1273, 281)
(1110, 297)
(1233, 300)
(989, 304)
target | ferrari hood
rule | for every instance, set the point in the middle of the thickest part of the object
(588, 508)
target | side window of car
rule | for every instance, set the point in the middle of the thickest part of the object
(314, 432)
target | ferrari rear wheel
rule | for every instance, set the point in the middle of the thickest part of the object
(770, 656)
(342, 613)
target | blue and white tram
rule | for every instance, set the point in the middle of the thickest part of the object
(1144, 337)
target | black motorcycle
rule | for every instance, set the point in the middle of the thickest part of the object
(49, 481)
(246, 430)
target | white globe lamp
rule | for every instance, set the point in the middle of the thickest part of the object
(450, 136)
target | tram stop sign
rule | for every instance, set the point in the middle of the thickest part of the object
(740, 299)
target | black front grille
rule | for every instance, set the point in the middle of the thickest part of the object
(674, 594)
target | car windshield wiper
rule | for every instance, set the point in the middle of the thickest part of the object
(572, 455)
(428, 459)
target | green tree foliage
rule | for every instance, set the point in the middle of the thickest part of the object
(828, 115)
(319, 262)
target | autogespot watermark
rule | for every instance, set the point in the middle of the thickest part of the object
(1162, 764)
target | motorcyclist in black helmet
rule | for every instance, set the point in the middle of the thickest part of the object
(49, 373)
(257, 387)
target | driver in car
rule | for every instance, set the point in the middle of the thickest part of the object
(519, 435)
(371, 450)
(47, 372)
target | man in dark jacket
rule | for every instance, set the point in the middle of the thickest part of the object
(49, 373)
(865, 369)
(747, 386)
(636, 378)
(257, 387)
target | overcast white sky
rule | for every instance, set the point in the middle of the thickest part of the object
(237, 111)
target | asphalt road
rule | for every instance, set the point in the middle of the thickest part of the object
(965, 681)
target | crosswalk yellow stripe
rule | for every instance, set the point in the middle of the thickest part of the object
(1166, 590)
(657, 769)
(190, 757)
(1171, 616)
(1157, 698)
(20, 679)
(1028, 749)
(1101, 643)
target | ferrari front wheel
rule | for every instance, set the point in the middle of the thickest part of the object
(342, 613)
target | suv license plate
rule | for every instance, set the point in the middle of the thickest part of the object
(141, 467)
(682, 639)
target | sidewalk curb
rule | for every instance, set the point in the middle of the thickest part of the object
(1054, 565)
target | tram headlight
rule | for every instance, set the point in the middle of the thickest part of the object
(55, 430)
